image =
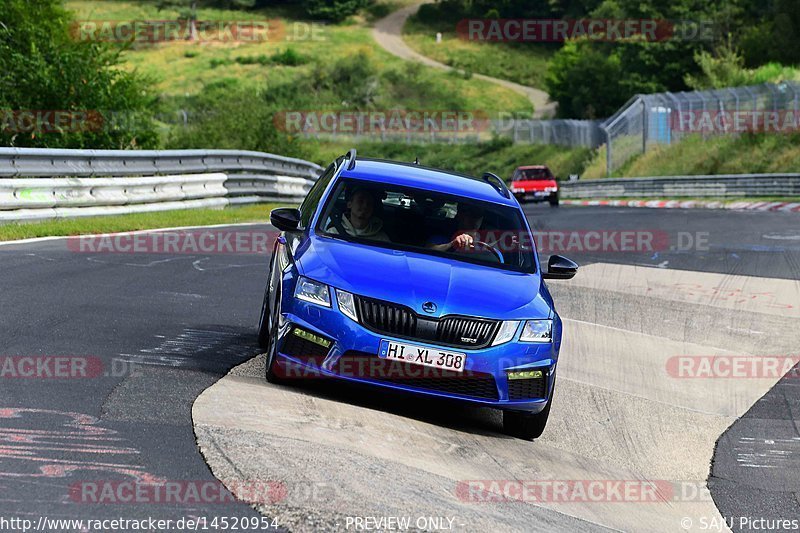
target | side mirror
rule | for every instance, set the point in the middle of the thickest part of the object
(559, 267)
(285, 218)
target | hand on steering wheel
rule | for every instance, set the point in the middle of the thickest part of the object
(466, 242)
(491, 248)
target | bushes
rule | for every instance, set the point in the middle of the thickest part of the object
(231, 115)
(333, 10)
(42, 68)
(288, 57)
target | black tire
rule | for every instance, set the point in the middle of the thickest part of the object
(553, 200)
(272, 342)
(527, 426)
(265, 322)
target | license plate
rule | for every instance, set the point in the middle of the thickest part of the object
(422, 355)
(536, 194)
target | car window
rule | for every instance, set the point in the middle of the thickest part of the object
(311, 201)
(536, 174)
(428, 222)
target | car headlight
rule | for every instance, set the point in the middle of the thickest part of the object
(347, 304)
(537, 331)
(312, 291)
(506, 332)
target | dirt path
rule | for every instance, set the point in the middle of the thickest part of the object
(388, 33)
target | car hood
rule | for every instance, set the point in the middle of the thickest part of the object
(411, 279)
(534, 185)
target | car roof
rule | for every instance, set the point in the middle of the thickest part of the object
(533, 167)
(421, 177)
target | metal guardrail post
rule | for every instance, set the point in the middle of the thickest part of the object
(608, 150)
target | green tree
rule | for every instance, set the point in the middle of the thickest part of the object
(333, 10)
(585, 81)
(43, 68)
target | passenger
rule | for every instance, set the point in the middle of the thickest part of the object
(359, 221)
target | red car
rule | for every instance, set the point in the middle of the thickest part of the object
(534, 183)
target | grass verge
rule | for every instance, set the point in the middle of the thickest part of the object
(523, 63)
(729, 154)
(134, 222)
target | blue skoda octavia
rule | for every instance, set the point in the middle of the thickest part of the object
(410, 278)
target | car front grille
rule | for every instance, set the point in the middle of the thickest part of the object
(527, 389)
(369, 366)
(386, 317)
(477, 331)
(400, 321)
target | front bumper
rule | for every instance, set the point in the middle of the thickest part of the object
(535, 196)
(339, 347)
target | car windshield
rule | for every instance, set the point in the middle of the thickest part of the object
(422, 221)
(533, 174)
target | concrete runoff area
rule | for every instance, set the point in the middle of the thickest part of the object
(623, 416)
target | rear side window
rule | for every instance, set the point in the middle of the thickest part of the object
(309, 205)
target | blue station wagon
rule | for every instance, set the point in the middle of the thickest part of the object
(421, 280)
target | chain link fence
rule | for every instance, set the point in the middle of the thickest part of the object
(572, 133)
(653, 120)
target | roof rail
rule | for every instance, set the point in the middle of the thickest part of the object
(351, 155)
(496, 182)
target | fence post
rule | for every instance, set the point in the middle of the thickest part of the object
(644, 125)
(608, 151)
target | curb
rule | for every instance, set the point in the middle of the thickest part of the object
(691, 204)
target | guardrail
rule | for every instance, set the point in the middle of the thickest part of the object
(720, 186)
(38, 184)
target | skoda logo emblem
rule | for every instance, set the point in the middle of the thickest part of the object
(429, 307)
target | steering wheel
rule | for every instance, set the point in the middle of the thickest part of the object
(491, 248)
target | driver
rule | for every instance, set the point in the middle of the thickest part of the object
(468, 221)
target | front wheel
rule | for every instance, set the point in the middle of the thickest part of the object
(553, 200)
(272, 342)
(264, 323)
(527, 426)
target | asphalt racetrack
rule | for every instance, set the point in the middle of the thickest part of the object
(160, 332)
